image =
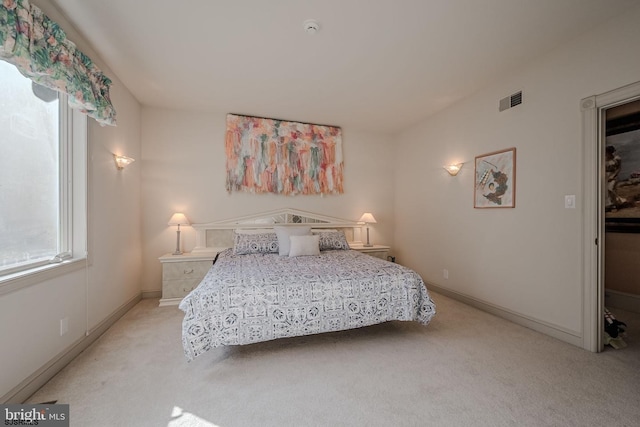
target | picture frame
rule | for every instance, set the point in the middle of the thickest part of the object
(495, 180)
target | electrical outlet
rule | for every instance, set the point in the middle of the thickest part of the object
(64, 326)
(445, 274)
(570, 201)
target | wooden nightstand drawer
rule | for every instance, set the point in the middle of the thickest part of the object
(378, 251)
(185, 270)
(182, 273)
(179, 288)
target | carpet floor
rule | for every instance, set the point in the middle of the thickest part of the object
(467, 368)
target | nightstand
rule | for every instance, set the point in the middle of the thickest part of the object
(182, 273)
(378, 251)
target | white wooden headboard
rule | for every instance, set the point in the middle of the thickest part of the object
(218, 235)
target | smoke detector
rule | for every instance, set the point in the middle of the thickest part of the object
(311, 26)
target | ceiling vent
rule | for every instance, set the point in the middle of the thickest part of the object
(510, 101)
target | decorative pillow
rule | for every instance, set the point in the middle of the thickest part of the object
(304, 245)
(284, 233)
(254, 243)
(332, 240)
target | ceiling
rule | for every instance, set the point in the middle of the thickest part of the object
(373, 65)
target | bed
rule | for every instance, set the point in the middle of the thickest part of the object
(257, 291)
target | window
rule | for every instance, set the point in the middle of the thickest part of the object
(41, 173)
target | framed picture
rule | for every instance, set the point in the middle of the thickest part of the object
(495, 180)
(622, 168)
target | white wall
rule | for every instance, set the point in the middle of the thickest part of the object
(30, 317)
(184, 170)
(525, 260)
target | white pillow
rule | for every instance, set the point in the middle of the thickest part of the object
(304, 245)
(284, 233)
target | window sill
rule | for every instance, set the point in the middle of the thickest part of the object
(23, 279)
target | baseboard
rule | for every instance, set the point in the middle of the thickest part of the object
(35, 381)
(151, 294)
(169, 301)
(555, 331)
(623, 300)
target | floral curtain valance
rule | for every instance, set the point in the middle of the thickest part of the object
(39, 48)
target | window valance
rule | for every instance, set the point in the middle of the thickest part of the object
(40, 50)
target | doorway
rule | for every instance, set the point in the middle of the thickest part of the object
(596, 201)
(622, 220)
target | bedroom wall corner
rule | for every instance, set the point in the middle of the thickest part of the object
(115, 210)
(96, 293)
(184, 170)
(525, 261)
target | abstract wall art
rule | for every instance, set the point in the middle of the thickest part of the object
(282, 157)
(495, 180)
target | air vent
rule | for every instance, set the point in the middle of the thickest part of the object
(510, 101)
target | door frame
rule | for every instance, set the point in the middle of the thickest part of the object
(593, 189)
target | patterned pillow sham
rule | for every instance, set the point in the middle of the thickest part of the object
(254, 243)
(330, 240)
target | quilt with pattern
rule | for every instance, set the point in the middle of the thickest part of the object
(250, 298)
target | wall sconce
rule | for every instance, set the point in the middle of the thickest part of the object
(122, 161)
(178, 219)
(367, 218)
(453, 169)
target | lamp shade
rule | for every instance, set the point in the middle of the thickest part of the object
(178, 219)
(453, 169)
(122, 161)
(367, 218)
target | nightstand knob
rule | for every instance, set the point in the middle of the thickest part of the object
(188, 271)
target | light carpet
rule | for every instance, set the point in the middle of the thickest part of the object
(467, 368)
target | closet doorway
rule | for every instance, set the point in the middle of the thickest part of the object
(622, 218)
(611, 216)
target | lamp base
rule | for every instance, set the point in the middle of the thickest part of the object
(368, 244)
(178, 251)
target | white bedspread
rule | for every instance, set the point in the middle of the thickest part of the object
(246, 299)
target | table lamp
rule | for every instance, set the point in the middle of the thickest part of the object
(178, 219)
(367, 218)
